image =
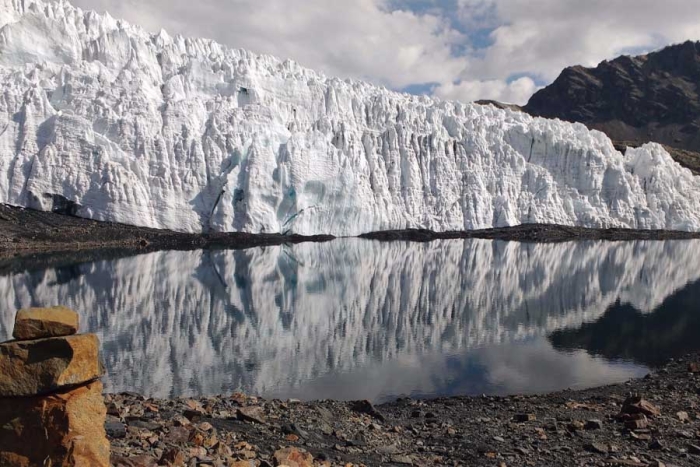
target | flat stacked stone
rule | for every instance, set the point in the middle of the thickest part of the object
(51, 407)
(36, 323)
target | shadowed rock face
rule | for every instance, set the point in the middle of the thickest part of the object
(634, 100)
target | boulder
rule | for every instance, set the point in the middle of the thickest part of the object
(637, 405)
(29, 368)
(252, 414)
(63, 429)
(37, 323)
(293, 457)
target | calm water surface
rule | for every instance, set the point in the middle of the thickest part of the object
(356, 319)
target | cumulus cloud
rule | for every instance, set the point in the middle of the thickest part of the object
(353, 38)
(540, 37)
(458, 49)
(517, 91)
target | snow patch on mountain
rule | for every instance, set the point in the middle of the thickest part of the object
(106, 121)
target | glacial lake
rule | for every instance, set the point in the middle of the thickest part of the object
(358, 319)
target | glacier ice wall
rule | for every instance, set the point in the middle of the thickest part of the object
(109, 121)
(269, 319)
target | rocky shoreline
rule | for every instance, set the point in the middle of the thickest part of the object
(660, 426)
(24, 232)
(50, 237)
(540, 233)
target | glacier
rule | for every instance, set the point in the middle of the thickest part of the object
(271, 320)
(110, 122)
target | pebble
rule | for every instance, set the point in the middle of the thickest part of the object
(594, 425)
(252, 414)
(598, 448)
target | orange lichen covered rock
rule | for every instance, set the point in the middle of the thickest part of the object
(64, 429)
(37, 323)
(293, 457)
(29, 368)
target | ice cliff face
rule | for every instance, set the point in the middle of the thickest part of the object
(271, 320)
(103, 120)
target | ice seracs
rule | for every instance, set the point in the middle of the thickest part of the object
(103, 120)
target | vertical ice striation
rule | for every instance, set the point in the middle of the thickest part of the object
(186, 134)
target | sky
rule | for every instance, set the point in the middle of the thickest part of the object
(454, 49)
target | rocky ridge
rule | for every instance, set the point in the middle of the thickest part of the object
(634, 100)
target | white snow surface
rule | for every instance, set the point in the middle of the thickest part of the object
(188, 135)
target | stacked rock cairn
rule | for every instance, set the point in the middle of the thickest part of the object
(52, 412)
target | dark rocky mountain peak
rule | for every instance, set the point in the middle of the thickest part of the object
(634, 100)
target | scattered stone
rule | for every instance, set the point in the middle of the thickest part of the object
(576, 425)
(239, 398)
(388, 450)
(524, 418)
(293, 457)
(635, 405)
(640, 436)
(30, 368)
(178, 435)
(403, 460)
(694, 367)
(115, 428)
(136, 461)
(205, 426)
(593, 425)
(173, 457)
(144, 424)
(326, 414)
(597, 448)
(252, 414)
(656, 445)
(294, 429)
(637, 422)
(683, 417)
(694, 449)
(627, 463)
(37, 323)
(47, 430)
(366, 407)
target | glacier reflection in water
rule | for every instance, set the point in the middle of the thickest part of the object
(356, 319)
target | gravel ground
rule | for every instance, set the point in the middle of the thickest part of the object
(654, 421)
